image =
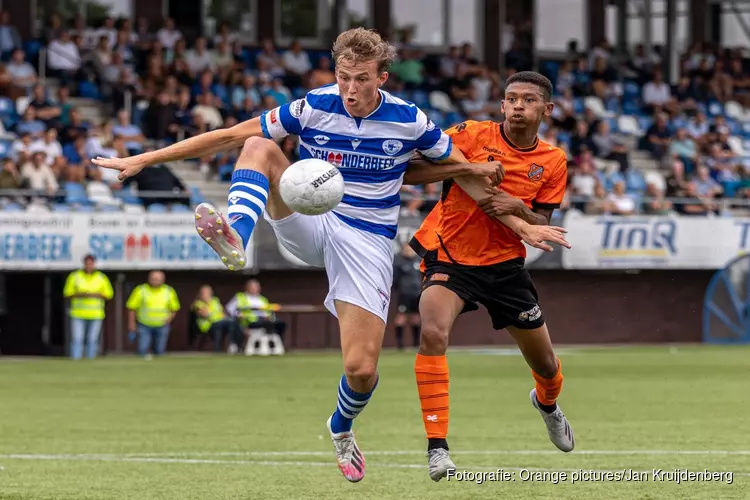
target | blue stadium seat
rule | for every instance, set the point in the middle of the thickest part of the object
(745, 130)
(86, 209)
(225, 172)
(60, 208)
(453, 118)
(75, 193)
(109, 208)
(195, 196)
(550, 69)
(437, 117)
(127, 197)
(7, 107)
(630, 107)
(715, 108)
(644, 122)
(630, 90)
(32, 47)
(12, 207)
(612, 124)
(5, 148)
(157, 208)
(612, 105)
(421, 99)
(578, 106)
(89, 90)
(178, 208)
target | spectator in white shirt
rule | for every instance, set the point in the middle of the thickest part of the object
(22, 74)
(199, 59)
(20, 151)
(269, 59)
(297, 64)
(207, 113)
(168, 35)
(619, 202)
(108, 30)
(38, 175)
(87, 35)
(656, 93)
(63, 57)
(50, 146)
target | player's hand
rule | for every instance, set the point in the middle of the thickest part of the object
(499, 203)
(128, 167)
(538, 236)
(494, 170)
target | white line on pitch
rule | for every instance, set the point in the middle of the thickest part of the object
(456, 452)
(272, 463)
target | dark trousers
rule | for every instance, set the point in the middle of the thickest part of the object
(226, 328)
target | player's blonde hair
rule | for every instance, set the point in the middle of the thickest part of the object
(362, 45)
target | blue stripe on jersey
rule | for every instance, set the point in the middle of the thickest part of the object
(366, 145)
(387, 230)
(446, 154)
(373, 176)
(263, 126)
(359, 202)
(429, 139)
(387, 112)
(290, 123)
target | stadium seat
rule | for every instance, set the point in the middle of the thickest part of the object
(421, 99)
(179, 208)
(715, 109)
(196, 197)
(133, 209)
(12, 207)
(60, 208)
(75, 193)
(737, 146)
(225, 172)
(734, 110)
(89, 90)
(437, 117)
(5, 148)
(21, 104)
(656, 178)
(32, 48)
(86, 209)
(628, 125)
(109, 208)
(99, 193)
(157, 208)
(127, 197)
(440, 101)
(596, 105)
(37, 208)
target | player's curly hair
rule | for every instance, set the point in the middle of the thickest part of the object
(533, 78)
(360, 44)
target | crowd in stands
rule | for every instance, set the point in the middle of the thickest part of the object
(632, 139)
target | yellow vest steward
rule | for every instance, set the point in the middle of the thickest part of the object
(215, 313)
(96, 283)
(153, 305)
(250, 313)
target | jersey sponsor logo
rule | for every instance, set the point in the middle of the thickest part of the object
(295, 109)
(352, 160)
(536, 172)
(493, 150)
(321, 139)
(273, 116)
(392, 147)
(532, 314)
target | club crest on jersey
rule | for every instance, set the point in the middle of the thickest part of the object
(295, 109)
(321, 139)
(392, 147)
(536, 172)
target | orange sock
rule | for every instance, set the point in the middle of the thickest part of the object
(548, 389)
(432, 384)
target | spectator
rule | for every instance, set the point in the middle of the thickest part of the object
(658, 137)
(108, 31)
(619, 202)
(75, 128)
(684, 148)
(22, 74)
(168, 35)
(268, 59)
(64, 58)
(322, 74)
(159, 179)
(20, 150)
(297, 65)
(45, 110)
(656, 93)
(207, 112)
(37, 174)
(10, 39)
(51, 146)
(131, 134)
(199, 59)
(9, 176)
(581, 140)
(159, 119)
(656, 204)
(223, 60)
(30, 124)
(246, 91)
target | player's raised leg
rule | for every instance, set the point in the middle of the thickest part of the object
(253, 190)
(546, 368)
(438, 307)
(361, 340)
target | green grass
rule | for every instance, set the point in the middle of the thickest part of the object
(205, 428)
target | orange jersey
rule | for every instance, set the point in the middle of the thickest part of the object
(459, 230)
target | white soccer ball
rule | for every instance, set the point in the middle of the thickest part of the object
(312, 187)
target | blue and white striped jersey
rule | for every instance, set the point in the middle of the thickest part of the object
(370, 152)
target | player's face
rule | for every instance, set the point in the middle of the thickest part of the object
(358, 85)
(524, 105)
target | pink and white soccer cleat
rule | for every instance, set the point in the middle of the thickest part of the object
(215, 230)
(350, 459)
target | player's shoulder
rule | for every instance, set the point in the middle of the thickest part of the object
(325, 98)
(556, 155)
(397, 109)
(471, 127)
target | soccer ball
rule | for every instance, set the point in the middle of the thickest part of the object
(312, 187)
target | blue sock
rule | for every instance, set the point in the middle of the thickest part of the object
(350, 404)
(248, 194)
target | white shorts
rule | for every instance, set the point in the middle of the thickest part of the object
(359, 264)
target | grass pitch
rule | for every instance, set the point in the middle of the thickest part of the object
(225, 428)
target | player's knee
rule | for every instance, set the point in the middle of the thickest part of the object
(547, 366)
(360, 372)
(433, 339)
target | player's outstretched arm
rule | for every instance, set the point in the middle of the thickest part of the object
(422, 171)
(194, 147)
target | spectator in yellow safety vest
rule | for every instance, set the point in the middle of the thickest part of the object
(252, 310)
(212, 319)
(151, 309)
(87, 289)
